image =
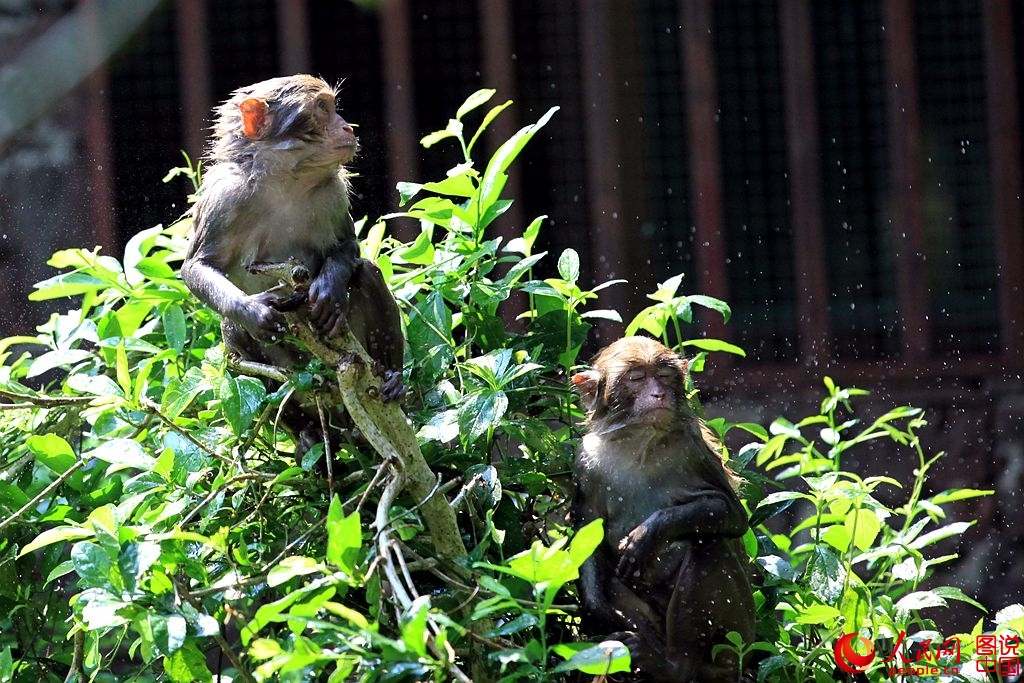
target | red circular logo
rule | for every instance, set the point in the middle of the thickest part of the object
(848, 659)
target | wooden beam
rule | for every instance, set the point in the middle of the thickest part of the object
(809, 258)
(1005, 150)
(905, 197)
(701, 88)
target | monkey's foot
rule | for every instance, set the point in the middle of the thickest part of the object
(393, 388)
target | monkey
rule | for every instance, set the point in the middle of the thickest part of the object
(275, 190)
(671, 577)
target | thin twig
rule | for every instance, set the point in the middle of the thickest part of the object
(149, 403)
(44, 493)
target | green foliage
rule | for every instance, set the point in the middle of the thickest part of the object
(850, 563)
(152, 512)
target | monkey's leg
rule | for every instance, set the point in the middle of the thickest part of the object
(376, 322)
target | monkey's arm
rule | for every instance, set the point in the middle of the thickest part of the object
(207, 281)
(328, 292)
(699, 512)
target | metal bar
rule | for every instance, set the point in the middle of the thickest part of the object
(701, 87)
(906, 205)
(293, 34)
(399, 101)
(193, 74)
(1005, 150)
(810, 276)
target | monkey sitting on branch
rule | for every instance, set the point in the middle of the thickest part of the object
(671, 577)
(275, 191)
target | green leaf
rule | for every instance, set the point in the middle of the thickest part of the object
(421, 252)
(521, 623)
(817, 614)
(712, 303)
(187, 664)
(477, 99)
(290, 567)
(92, 564)
(715, 345)
(607, 657)
(441, 427)
(505, 155)
(56, 359)
(52, 451)
(169, 631)
(569, 265)
(61, 534)
(95, 385)
(344, 537)
(482, 411)
(432, 139)
(414, 628)
(123, 453)
(173, 320)
(458, 184)
(954, 495)
(241, 399)
(66, 285)
(586, 541)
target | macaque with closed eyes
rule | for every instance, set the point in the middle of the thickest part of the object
(275, 190)
(671, 577)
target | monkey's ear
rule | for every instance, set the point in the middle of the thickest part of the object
(255, 117)
(586, 385)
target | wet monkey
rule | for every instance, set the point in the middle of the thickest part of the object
(275, 189)
(671, 577)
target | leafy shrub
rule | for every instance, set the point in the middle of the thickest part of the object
(155, 524)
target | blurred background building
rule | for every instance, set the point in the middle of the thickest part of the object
(847, 175)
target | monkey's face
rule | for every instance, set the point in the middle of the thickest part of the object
(648, 394)
(634, 381)
(292, 121)
(337, 139)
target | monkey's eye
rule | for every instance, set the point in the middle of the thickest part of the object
(325, 106)
(635, 375)
(666, 373)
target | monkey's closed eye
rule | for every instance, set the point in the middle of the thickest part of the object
(325, 106)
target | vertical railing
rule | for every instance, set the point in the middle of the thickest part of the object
(905, 196)
(1005, 143)
(609, 244)
(399, 99)
(193, 73)
(809, 258)
(701, 87)
(293, 36)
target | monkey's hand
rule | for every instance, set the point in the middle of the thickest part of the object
(634, 550)
(256, 313)
(328, 302)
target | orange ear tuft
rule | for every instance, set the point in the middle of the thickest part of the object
(254, 117)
